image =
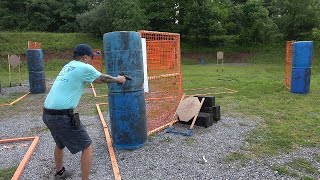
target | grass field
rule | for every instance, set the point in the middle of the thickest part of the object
(17, 42)
(289, 121)
(7, 173)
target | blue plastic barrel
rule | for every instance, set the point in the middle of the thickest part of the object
(35, 60)
(300, 80)
(123, 54)
(202, 61)
(127, 107)
(302, 54)
(128, 119)
(37, 82)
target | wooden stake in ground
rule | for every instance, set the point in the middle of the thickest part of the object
(196, 116)
(114, 162)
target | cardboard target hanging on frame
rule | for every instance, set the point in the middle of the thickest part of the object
(14, 60)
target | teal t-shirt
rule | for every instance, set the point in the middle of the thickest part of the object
(69, 85)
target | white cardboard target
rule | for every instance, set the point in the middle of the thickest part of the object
(219, 55)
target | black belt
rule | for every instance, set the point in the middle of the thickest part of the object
(58, 111)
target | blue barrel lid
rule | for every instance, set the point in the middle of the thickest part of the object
(123, 54)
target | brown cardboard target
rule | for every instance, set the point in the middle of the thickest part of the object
(188, 108)
(14, 60)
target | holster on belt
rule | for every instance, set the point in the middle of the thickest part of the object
(75, 120)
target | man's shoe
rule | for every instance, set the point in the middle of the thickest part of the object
(63, 174)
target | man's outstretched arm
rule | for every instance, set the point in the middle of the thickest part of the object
(105, 78)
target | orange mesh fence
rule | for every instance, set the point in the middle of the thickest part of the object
(161, 54)
(97, 59)
(164, 76)
(288, 66)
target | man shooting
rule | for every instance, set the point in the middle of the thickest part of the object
(63, 98)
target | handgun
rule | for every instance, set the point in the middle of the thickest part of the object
(127, 77)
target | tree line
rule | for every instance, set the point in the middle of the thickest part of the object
(207, 21)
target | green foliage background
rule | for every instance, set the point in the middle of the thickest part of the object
(17, 42)
(200, 22)
(258, 27)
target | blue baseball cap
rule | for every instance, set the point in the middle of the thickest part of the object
(82, 49)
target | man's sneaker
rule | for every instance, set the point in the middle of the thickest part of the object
(63, 174)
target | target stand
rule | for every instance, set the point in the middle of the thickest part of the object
(219, 58)
(13, 62)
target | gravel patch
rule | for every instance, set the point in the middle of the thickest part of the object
(24, 88)
(164, 156)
